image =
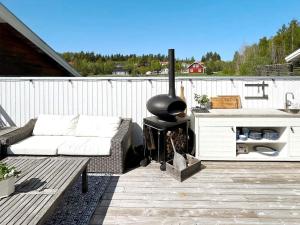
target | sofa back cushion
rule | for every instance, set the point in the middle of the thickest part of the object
(97, 126)
(55, 125)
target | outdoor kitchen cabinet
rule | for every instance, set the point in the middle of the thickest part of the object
(217, 137)
(294, 142)
(216, 141)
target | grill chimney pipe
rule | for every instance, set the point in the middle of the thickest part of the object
(171, 59)
(167, 106)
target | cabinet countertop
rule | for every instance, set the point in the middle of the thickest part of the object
(246, 113)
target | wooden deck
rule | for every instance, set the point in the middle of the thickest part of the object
(222, 193)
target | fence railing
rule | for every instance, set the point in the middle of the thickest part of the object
(25, 98)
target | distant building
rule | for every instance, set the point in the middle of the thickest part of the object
(23, 53)
(184, 67)
(153, 72)
(164, 71)
(294, 60)
(164, 63)
(291, 67)
(196, 67)
(120, 72)
(294, 57)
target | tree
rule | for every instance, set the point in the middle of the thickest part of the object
(178, 66)
(228, 68)
(210, 56)
(263, 47)
(268, 50)
(155, 65)
(209, 71)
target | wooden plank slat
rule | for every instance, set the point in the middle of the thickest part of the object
(222, 193)
(179, 220)
(37, 178)
(222, 185)
(201, 197)
(33, 173)
(249, 179)
(7, 203)
(205, 213)
(14, 218)
(67, 174)
(26, 217)
(48, 173)
(41, 215)
(15, 208)
(184, 204)
(33, 203)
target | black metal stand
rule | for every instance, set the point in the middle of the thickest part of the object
(160, 129)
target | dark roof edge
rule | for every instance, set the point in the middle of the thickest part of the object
(13, 21)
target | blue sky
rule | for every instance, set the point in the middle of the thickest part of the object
(192, 27)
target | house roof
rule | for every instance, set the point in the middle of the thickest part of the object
(8, 17)
(196, 63)
(293, 57)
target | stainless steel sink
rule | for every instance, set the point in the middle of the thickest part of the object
(292, 111)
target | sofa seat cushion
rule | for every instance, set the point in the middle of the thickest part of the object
(55, 125)
(89, 146)
(37, 145)
(97, 126)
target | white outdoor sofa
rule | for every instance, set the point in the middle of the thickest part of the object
(105, 140)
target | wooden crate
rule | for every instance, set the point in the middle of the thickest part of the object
(226, 102)
(194, 166)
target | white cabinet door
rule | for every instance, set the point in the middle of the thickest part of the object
(217, 142)
(295, 141)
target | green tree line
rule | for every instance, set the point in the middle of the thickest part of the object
(266, 51)
(90, 63)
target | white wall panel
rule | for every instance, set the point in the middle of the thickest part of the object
(25, 98)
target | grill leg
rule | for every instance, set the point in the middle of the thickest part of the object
(84, 181)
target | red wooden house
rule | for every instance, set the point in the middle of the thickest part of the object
(196, 67)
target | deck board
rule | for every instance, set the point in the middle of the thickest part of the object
(222, 193)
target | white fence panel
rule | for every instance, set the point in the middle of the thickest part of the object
(25, 98)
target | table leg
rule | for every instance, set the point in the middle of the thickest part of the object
(84, 181)
(187, 138)
(3, 151)
(158, 146)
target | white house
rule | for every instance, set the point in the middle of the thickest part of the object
(164, 71)
(294, 57)
(120, 72)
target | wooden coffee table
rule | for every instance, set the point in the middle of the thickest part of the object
(40, 187)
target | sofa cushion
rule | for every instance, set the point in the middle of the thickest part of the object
(37, 145)
(97, 126)
(89, 146)
(55, 125)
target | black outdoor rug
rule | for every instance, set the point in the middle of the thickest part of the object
(77, 208)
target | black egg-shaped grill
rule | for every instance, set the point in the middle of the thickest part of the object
(167, 106)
